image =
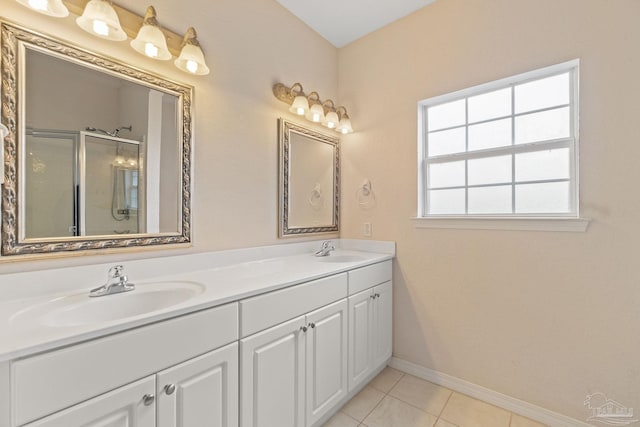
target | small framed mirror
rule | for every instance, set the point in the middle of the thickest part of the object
(309, 180)
(98, 155)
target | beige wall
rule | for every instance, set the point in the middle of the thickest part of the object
(546, 317)
(249, 46)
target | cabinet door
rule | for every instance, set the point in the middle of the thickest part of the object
(123, 407)
(326, 354)
(200, 392)
(272, 376)
(383, 323)
(360, 336)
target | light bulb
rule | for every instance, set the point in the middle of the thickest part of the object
(40, 5)
(192, 66)
(100, 27)
(151, 50)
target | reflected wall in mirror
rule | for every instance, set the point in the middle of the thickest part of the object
(99, 153)
(309, 181)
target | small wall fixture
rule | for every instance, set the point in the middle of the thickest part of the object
(313, 108)
(150, 40)
(53, 8)
(101, 18)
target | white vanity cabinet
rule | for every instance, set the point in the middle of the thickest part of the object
(370, 321)
(202, 391)
(294, 373)
(286, 358)
(123, 379)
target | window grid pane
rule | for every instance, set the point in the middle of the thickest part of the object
(512, 123)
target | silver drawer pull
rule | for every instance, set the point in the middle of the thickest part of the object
(312, 325)
(169, 389)
(377, 295)
(148, 399)
(303, 328)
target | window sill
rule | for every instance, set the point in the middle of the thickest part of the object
(577, 225)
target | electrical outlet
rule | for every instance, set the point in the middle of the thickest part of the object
(366, 229)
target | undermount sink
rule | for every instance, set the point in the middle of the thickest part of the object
(80, 309)
(341, 258)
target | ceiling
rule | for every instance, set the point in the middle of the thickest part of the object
(343, 21)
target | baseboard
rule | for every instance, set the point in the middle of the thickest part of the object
(512, 404)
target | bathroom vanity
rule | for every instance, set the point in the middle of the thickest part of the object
(281, 339)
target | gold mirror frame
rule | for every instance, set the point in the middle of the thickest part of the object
(284, 145)
(12, 37)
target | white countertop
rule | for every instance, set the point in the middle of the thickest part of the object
(224, 277)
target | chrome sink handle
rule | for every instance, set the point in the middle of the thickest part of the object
(327, 246)
(117, 282)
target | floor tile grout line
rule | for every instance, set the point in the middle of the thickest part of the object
(439, 417)
(386, 394)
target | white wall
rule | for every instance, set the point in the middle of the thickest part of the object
(545, 317)
(249, 46)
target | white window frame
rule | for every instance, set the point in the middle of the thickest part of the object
(570, 221)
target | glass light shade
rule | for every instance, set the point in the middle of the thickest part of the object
(300, 105)
(151, 42)
(344, 127)
(191, 60)
(100, 19)
(331, 120)
(315, 113)
(53, 8)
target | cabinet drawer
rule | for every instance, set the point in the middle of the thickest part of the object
(52, 381)
(261, 312)
(369, 276)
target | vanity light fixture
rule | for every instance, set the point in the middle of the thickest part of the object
(53, 8)
(100, 19)
(191, 59)
(150, 40)
(313, 108)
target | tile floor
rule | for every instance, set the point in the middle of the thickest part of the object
(395, 399)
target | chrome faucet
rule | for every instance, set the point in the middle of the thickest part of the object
(116, 282)
(327, 246)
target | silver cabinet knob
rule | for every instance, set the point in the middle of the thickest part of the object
(148, 399)
(303, 328)
(372, 296)
(377, 295)
(312, 325)
(169, 389)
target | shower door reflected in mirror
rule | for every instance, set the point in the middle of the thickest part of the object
(109, 184)
(50, 177)
(83, 184)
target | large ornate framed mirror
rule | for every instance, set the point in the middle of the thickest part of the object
(309, 180)
(98, 155)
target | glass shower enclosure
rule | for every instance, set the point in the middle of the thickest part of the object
(81, 184)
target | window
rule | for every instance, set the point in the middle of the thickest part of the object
(502, 149)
